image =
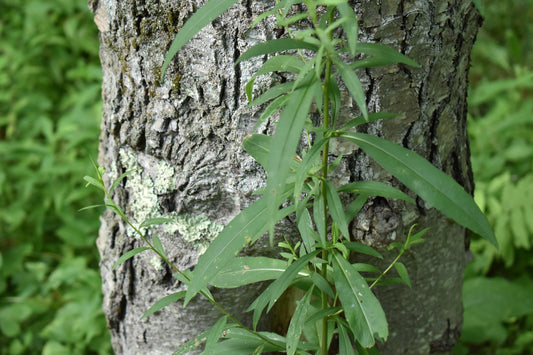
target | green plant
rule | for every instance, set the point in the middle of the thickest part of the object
(50, 298)
(500, 122)
(337, 299)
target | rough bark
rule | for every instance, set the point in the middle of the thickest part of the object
(184, 136)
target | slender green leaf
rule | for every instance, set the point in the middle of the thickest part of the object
(154, 221)
(243, 271)
(96, 183)
(354, 207)
(258, 146)
(163, 302)
(274, 46)
(272, 93)
(245, 228)
(272, 108)
(349, 26)
(158, 246)
(402, 271)
(249, 89)
(308, 234)
(375, 188)
(297, 323)
(361, 308)
(198, 340)
(322, 313)
(281, 63)
(284, 144)
(384, 55)
(120, 178)
(91, 207)
(371, 118)
(363, 249)
(216, 333)
(201, 18)
(336, 209)
(322, 284)
(129, 254)
(272, 293)
(345, 344)
(304, 168)
(353, 84)
(431, 184)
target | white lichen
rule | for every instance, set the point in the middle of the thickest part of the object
(198, 229)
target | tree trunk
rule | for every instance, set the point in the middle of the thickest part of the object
(184, 136)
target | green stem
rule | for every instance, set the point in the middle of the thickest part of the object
(325, 153)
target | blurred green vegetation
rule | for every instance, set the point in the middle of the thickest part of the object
(50, 298)
(498, 288)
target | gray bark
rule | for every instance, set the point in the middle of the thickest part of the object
(184, 136)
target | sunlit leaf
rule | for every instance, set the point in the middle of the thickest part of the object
(375, 188)
(297, 322)
(216, 333)
(245, 228)
(430, 183)
(361, 308)
(243, 271)
(402, 271)
(336, 209)
(351, 80)
(284, 144)
(274, 46)
(273, 292)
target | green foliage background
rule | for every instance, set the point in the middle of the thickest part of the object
(50, 298)
(498, 287)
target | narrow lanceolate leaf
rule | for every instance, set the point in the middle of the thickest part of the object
(361, 308)
(350, 26)
(402, 271)
(284, 144)
(281, 63)
(245, 228)
(158, 246)
(297, 323)
(243, 271)
(272, 293)
(335, 209)
(353, 84)
(163, 302)
(384, 55)
(258, 146)
(96, 183)
(154, 221)
(375, 188)
(274, 46)
(216, 333)
(431, 184)
(204, 16)
(129, 254)
(272, 93)
(120, 178)
(345, 344)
